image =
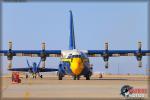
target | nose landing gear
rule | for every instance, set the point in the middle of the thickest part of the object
(76, 77)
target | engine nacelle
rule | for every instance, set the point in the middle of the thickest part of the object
(105, 57)
(43, 56)
(9, 55)
(139, 57)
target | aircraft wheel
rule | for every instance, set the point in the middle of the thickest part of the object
(74, 77)
(41, 76)
(60, 77)
(26, 75)
(87, 77)
(78, 77)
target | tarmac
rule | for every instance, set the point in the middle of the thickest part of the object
(49, 87)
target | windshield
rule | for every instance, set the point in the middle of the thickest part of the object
(74, 56)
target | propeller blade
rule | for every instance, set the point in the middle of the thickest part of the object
(140, 63)
(106, 64)
(9, 65)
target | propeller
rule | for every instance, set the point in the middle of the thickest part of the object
(43, 46)
(106, 56)
(43, 55)
(139, 54)
(9, 55)
(9, 64)
(139, 46)
(10, 45)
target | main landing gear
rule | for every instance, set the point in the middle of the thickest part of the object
(87, 77)
(76, 77)
(60, 76)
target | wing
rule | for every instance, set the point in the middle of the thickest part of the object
(20, 69)
(47, 69)
(117, 53)
(31, 53)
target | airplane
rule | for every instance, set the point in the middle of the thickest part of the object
(34, 70)
(74, 62)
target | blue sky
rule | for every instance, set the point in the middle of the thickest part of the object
(27, 25)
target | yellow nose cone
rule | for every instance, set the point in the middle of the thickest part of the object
(77, 66)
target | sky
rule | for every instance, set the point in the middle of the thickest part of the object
(122, 25)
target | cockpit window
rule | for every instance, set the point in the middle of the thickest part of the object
(70, 56)
(76, 56)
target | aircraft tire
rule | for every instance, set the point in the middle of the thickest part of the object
(60, 76)
(87, 77)
(26, 76)
(41, 76)
(78, 77)
(74, 77)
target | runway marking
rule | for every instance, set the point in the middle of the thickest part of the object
(26, 95)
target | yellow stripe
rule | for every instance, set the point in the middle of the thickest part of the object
(69, 60)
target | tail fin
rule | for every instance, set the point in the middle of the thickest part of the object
(72, 37)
